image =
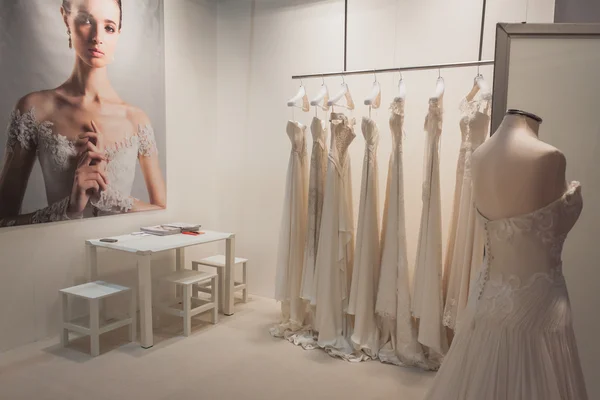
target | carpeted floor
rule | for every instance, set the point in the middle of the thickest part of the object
(236, 359)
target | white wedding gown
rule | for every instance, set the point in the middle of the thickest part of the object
(399, 343)
(515, 340)
(336, 246)
(290, 256)
(464, 251)
(316, 194)
(58, 159)
(365, 273)
(427, 285)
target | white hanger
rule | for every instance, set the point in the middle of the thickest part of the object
(301, 94)
(440, 86)
(479, 84)
(321, 99)
(374, 99)
(401, 89)
(344, 92)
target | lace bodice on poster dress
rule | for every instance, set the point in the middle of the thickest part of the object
(516, 338)
(58, 159)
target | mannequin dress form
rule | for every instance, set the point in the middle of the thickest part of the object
(515, 340)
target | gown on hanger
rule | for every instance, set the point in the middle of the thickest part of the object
(515, 339)
(336, 245)
(365, 272)
(316, 193)
(427, 303)
(464, 252)
(399, 332)
(292, 236)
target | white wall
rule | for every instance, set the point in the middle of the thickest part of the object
(263, 43)
(36, 261)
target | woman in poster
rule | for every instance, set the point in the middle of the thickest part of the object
(86, 138)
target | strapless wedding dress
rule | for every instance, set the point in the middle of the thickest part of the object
(515, 339)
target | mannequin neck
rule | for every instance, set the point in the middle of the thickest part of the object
(520, 123)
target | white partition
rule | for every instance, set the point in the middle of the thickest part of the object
(554, 71)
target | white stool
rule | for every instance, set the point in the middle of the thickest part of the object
(189, 279)
(218, 262)
(94, 292)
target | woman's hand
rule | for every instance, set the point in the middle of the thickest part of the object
(93, 141)
(90, 179)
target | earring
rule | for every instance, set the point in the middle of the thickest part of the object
(70, 42)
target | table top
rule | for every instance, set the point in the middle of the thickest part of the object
(147, 244)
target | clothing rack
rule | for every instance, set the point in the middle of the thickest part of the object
(397, 69)
(345, 72)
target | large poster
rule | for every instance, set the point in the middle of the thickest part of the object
(82, 97)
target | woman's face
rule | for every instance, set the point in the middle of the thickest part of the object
(94, 27)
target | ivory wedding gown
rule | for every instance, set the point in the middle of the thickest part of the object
(427, 286)
(58, 159)
(336, 245)
(290, 258)
(515, 340)
(316, 193)
(365, 273)
(399, 333)
(464, 252)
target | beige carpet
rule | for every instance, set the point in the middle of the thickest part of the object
(236, 359)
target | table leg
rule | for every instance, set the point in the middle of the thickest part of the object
(179, 265)
(91, 256)
(229, 264)
(145, 300)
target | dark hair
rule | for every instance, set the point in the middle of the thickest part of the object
(66, 4)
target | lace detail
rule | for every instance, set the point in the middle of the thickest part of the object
(52, 213)
(22, 129)
(147, 141)
(435, 116)
(397, 108)
(550, 224)
(481, 105)
(59, 147)
(112, 200)
(342, 134)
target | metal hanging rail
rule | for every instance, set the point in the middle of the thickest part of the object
(345, 72)
(396, 69)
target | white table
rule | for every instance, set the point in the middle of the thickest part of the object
(144, 246)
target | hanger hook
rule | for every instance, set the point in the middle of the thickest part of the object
(400, 71)
(439, 73)
(323, 79)
(375, 75)
(343, 80)
(301, 84)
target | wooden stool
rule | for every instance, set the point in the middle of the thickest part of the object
(189, 279)
(218, 262)
(94, 292)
